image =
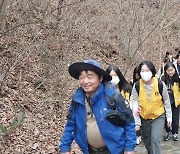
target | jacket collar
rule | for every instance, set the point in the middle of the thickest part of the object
(104, 88)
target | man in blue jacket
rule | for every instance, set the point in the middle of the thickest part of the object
(87, 123)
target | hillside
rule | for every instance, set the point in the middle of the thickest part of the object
(40, 39)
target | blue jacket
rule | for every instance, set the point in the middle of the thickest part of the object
(115, 137)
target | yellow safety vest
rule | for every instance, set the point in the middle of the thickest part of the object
(154, 107)
(126, 95)
(176, 92)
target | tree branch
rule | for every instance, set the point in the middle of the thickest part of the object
(35, 22)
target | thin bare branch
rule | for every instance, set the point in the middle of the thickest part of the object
(38, 21)
(160, 18)
(2, 11)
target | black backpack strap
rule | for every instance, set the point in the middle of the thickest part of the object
(137, 86)
(119, 100)
(160, 87)
(110, 102)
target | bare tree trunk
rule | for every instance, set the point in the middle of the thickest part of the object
(59, 9)
(3, 5)
(142, 39)
(160, 53)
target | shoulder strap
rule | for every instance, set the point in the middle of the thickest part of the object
(137, 86)
(118, 102)
(110, 102)
(160, 86)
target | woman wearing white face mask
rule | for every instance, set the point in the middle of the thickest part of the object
(118, 80)
(154, 105)
(172, 82)
(115, 80)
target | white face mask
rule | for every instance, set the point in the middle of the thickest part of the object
(146, 76)
(115, 80)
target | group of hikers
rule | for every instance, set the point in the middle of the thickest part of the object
(110, 115)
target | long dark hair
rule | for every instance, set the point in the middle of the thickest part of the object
(175, 77)
(136, 71)
(123, 84)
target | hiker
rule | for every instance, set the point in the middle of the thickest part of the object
(136, 75)
(153, 106)
(160, 72)
(168, 58)
(125, 88)
(136, 107)
(172, 82)
(87, 119)
(119, 81)
(177, 63)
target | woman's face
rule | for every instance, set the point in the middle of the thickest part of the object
(170, 71)
(137, 76)
(169, 56)
(115, 79)
(113, 73)
(144, 68)
(145, 73)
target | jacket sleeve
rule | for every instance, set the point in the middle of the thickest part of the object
(167, 104)
(134, 105)
(129, 127)
(68, 137)
(130, 134)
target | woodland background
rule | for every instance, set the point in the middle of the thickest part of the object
(39, 39)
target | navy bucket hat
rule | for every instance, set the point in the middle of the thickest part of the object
(91, 65)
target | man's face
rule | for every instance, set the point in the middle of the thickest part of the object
(89, 81)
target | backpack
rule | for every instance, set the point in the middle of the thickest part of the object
(120, 112)
(160, 86)
(114, 103)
